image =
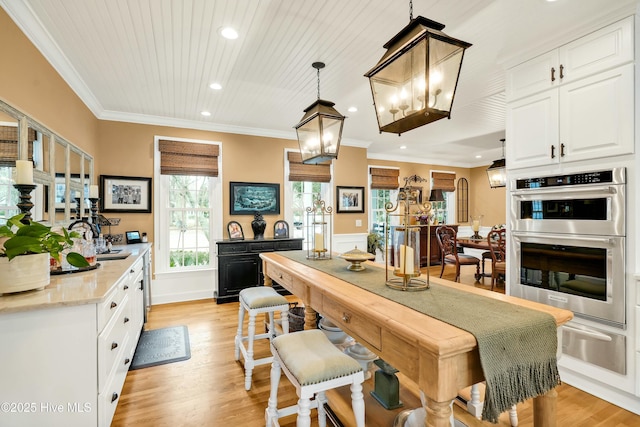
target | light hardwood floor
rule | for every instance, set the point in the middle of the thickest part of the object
(208, 389)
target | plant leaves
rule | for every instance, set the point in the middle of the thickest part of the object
(77, 260)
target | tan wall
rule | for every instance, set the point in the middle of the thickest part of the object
(30, 84)
(486, 201)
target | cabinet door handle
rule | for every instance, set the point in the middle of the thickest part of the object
(132, 271)
(553, 151)
(114, 345)
(126, 287)
(126, 361)
(113, 304)
(561, 150)
(561, 71)
(141, 285)
(114, 397)
(126, 319)
(346, 318)
(553, 74)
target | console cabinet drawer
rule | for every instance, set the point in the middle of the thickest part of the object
(352, 321)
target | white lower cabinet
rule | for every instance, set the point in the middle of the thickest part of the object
(66, 365)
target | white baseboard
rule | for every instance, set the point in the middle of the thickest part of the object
(183, 286)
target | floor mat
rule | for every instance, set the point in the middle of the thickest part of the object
(160, 346)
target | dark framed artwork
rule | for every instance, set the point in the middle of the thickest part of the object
(235, 230)
(281, 230)
(125, 194)
(247, 198)
(350, 199)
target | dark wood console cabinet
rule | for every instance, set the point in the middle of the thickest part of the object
(433, 242)
(240, 266)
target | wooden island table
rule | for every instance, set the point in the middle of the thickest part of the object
(440, 358)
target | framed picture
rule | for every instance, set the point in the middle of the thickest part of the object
(125, 194)
(418, 191)
(247, 198)
(350, 199)
(235, 230)
(281, 230)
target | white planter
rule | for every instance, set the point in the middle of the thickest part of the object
(24, 273)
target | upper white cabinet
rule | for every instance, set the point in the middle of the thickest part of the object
(606, 48)
(582, 110)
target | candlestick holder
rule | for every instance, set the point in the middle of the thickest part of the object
(402, 265)
(319, 230)
(94, 213)
(476, 222)
(25, 204)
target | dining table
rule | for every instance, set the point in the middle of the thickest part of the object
(441, 358)
(483, 244)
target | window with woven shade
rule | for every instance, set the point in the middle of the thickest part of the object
(9, 145)
(299, 171)
(443, 181)
(188, 158)
(384, 179)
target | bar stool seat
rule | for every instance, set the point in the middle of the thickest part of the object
(313, 365)
(256, 300)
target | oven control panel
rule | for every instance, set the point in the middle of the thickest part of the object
(599, 177)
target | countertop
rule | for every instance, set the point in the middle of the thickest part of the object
(88, 287)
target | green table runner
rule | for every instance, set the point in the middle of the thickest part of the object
(517, 345)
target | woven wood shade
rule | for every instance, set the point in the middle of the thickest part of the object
(188, 158)
(384, 179)
(9, 145)
(298, 171)
(443, 181)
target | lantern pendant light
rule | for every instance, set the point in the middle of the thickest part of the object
(414, 82)
(320, 130)
(497, 172)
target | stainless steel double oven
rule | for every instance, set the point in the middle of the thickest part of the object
(568, 250)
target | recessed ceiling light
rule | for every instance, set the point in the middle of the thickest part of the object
(478, 156)
(215, 86)
(229, 33)
(403, 147)
(352, 109)
(205, 113)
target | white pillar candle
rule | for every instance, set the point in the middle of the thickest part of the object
(24, 172)
(319, 242)
(476, 225)
(93, 192)
(406, 259)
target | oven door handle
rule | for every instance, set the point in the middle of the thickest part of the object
(540, 192)
(589, 333)
(558, 237)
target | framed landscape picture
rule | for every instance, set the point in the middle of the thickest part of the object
(247, 198)
(125, 194)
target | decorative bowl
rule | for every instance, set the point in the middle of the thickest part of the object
(356, 257)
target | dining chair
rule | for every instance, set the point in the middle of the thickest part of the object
(497, 239)
(448, 242)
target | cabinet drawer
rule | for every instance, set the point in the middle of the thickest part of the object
(282, 277)
(109, 306)
(110, 396)
(353, 321)
(112, 342)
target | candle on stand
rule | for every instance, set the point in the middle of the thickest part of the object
(93, 192)
(319, 242)
(476, 225)
(406, 259)
(24, 172)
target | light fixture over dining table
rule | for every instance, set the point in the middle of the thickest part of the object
(414, 82)
(320, 130)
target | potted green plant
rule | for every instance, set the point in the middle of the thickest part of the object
(375, 242)
(25, 250)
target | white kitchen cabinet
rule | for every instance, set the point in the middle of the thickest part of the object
(603, 49)
(587, 119)
(66, 350)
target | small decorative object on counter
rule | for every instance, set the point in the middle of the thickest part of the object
(386, 385)
(144, 238)
(319, 230)
(476, 222)
(356, 257)
(258, 225)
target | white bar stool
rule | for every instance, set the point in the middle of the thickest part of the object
(260, 299)
(313, 365)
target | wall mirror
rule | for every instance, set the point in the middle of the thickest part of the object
(61, 169)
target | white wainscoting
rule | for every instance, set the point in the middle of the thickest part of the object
(183, 286)
(345, 242)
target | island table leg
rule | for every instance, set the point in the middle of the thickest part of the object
(544, 409)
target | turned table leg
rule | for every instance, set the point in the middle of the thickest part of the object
(544, 409)
(439, 414)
